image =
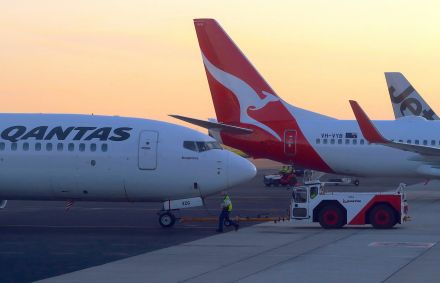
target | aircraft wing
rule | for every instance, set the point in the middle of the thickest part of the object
(210, 125)
(372, 135)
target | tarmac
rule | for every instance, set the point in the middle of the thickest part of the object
(280, 252)
(97, 242)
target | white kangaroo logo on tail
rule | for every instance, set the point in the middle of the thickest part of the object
(246, 95)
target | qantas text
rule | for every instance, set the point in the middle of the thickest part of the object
(16, 133)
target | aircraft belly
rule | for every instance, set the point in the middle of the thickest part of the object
(380, 161)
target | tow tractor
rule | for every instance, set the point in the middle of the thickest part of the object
(312, 203)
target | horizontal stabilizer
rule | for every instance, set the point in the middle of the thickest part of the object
(372, 135)
(213, 125)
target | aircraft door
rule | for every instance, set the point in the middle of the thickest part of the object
(290, 142)
(148, 150)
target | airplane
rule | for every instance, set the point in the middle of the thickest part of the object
(405, 99)
(251, 117)
(73, 157)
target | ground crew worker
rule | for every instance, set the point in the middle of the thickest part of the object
(283, 170)
(226, 206)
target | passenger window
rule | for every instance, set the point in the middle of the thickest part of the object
(37, 146)
(425, 142)
(2, 146)
(347, 141)
(49, 147)
(324, 141)
(14, 146)
(339, 141)
(60, 146)
(432, 142)
(355, 141)
(332, 141)
(416, 141)
(93, 147)
(318, 141)
(71, 147)
(104, 147)
(401, 141)
(190, 145)
(25, 146)
(408, 141)
(82, 147)
(362, 141)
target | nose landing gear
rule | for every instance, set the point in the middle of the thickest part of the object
(167, 219)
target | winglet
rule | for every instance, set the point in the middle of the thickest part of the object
(369, 131)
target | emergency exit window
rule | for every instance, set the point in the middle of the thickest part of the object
(38, 146)
(2, 146)
(14, 146)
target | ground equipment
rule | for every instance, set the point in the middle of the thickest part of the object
(312, 203)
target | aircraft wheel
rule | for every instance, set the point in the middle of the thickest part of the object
(356, 182)
(227, 223)
(382, 217)
(331, 217)
(167, 220)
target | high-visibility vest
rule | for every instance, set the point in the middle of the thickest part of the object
(227, 203)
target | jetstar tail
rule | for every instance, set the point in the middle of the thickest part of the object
(406, 100)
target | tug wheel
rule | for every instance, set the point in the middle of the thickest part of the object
(167, 220)
(331, 217)
(382, 217)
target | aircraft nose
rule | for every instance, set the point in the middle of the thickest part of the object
(240, 170)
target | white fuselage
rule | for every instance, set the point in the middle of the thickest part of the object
(103, 158)
(355, 156)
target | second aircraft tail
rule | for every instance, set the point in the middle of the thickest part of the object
(405, 99)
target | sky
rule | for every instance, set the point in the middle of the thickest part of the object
(141, 58)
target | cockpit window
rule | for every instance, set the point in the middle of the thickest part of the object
(201, 146)
(204, 146)
(190, 145)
